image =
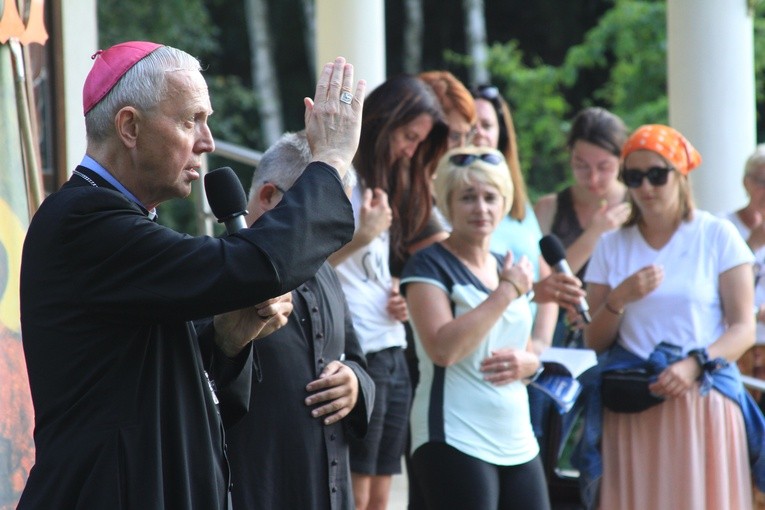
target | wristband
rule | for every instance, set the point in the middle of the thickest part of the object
(515, 285)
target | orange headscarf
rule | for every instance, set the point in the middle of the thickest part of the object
(667, 142)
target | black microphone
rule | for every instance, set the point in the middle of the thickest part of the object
(227, 199)
(555, 255)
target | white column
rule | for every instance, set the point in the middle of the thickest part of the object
(354, 29)
(710, 58)
(80, 41)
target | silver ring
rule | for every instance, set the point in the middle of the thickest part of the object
(346, 97)
(506, 365)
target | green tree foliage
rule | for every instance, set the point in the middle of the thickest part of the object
(759, 65)
(626, 48)
(187, 24)
(538, 121)
(610, 53)
(180, 23)
(630, 43)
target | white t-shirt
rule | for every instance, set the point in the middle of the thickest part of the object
(455, 404)
(685, 309)
(759, 272)
(366, 280)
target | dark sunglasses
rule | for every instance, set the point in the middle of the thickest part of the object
(467, 159)
(657, 176)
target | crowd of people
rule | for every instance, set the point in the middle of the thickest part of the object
(387, 299)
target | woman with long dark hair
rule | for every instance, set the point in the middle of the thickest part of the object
(403, 134)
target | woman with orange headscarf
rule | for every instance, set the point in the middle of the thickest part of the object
(671, 298)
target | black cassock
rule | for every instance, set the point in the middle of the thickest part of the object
(281, 456)
(124, 414)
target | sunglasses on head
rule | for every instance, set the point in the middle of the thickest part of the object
(467, 159)
(489, 92)
(656, 175)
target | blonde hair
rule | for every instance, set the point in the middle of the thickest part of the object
(449, 176)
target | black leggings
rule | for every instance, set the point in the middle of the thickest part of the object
(449, 479)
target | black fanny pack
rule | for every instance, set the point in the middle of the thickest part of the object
(626, 390)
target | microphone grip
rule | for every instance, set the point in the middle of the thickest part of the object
(582, 308)
(234, 224)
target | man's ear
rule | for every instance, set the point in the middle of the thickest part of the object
(126, 123)
(268, 196)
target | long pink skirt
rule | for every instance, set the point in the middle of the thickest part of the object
(688, 453)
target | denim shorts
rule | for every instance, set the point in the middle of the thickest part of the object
(380, 451)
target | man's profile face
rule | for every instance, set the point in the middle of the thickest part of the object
(172, 138)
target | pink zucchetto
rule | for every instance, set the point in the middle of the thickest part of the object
(109, 66)
(667, 142)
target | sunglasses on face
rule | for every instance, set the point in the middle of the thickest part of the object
(467, 159)
(656, 175)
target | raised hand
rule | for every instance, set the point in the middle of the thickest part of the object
(375, 216)
(610, 217)
(333, 126)
(396, 306)
(520, 273)
(636, 286)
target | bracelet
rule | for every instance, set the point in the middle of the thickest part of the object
(533, 377)
(515, 285)
(612, 309)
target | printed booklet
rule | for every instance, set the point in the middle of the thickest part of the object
(561, 368)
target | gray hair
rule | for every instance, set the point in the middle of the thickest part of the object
(285, 161)
(143, 86)
(755, 160)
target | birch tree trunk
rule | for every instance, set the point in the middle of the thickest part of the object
(265, 82)
(475, 39)
(309, 22)
(413, 29)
